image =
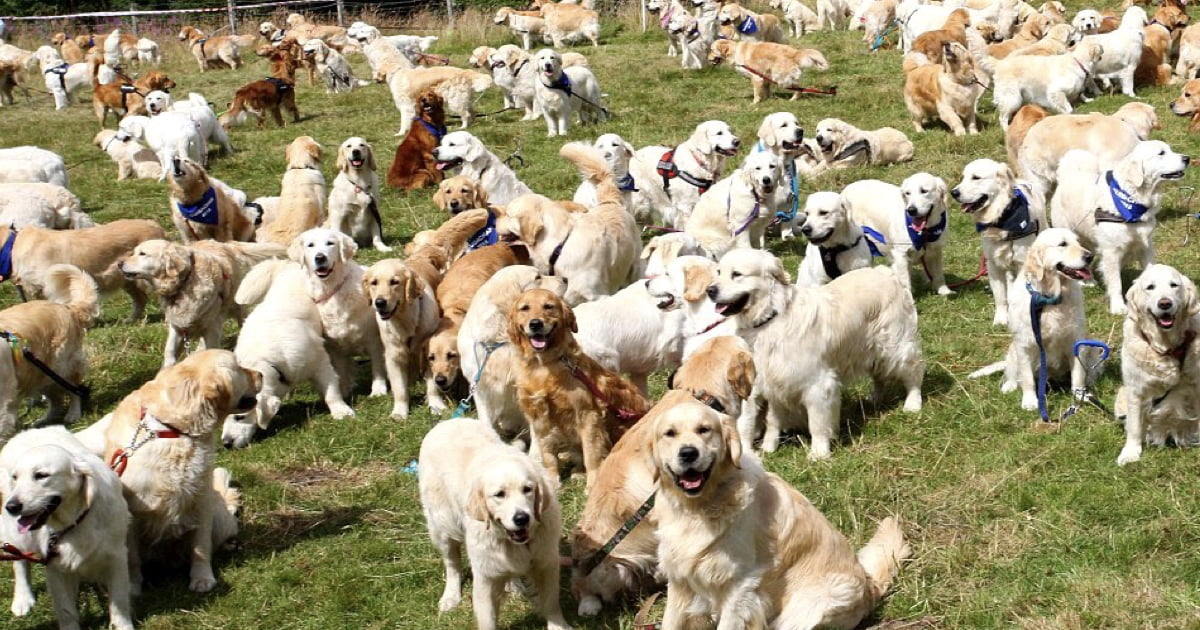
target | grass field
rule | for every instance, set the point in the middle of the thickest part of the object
(1010, 527)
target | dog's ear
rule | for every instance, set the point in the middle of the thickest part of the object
(295, 250)
(368, 275)
(477, 503)
(568, 315)
(516, 334)
(741, 374)
(733, 440)
(287, 153)
(412, 287)
(1133, 171)
(696, 279)
(700, 139)
(1036, 266)
(648, 250)
(439, 198)
(1192, 304)
(347, 248)
(343, 162)
(543, 496)
(629, 150)
(766, 132)
(481, 196)
(531, 227)
(87, 485)
(777, 271)
(475, 149)
(314, 150)
(370, 151)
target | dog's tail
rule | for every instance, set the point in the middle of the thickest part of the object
(988, 370)
(881, 557)
(95, 63)
(73, 288)
(250, 254)
(480, 82)
(594, 169)
(452, 237)
(258, 281)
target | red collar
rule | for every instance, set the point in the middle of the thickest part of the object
(325, 298)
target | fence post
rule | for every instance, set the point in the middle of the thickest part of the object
(450, 13)
(643, 16)
(229, 4)
(133, 19)
(341, 8)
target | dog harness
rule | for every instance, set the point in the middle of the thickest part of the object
(829, 256)
(6, 263)
(437, 132)
(1038, 302)
(750, 216)
(749, 26)
(201, 42)
(12, 553)
(626, 183)
(554, 255)
(668, 170)
(258, 211)
(281, 86)
(852, 149)
(921, 238)
(1015, 220)
(61, 71)
(563, 84)
(1128, 210)
(126, 90)
(487, 235)
(875, 238)
(203, 211)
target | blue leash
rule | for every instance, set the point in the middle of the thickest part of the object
(1037, 302)
(1084, 394)
(488, 348)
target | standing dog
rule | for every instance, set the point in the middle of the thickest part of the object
(562, 93)
(671, 179)
(836, 243)
(211, 52)
(354, 197)
(948, 91)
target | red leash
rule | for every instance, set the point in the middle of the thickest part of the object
(983, 271)
(828, 91)
(582, 377)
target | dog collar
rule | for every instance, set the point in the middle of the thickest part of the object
(6, 262)
(11, 553)
(1128, 210)
(626, 183)
(766, 320)
(921, 238)
(711, 402)
(562, 84)
(204, 211)
(554, 255)
(1015, 221)
(325, 298)
(437, 132)
(829, 257)
(153, 428)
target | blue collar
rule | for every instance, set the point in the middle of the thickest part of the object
(203, 211)
(874, 240)
(1015, 220)
(626, 184)
(748, 27)
(563, 84)
(6, 263)
(1040, 299)
(485, 236)
(436, 132)
(929, 234)
(1130, 210)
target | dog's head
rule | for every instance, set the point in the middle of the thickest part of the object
(693, 444)
(502, 14)
(1087, 21)
(509, 56)
(549, 63)
(831, 134)
(540, 321)
(1188, 102)
(1134, 19)
(58, 39)
(481, 57)
(984, 181)
(826, 218)
(295, 20)
(1057, 256)
(662, 250)
(654, 6)
(186, 175)
(616, 151)
(202, 390)
(355, 154)
(715, 136)
(322, 252)
(442, 358)
(40, 481)
(722, 367)
(681, 22)
(303, 152)
(1140, 117)
(731, 13)
(456, 148)
(512, 493)
(924, 199)
(390, 284)
(266, 29)
(1088, 53)
(782, 130)
(161, 263)
(1151, 163)
(459, 193)
(523, 220)
(763, 170)
(431, 106)
(315, 49)
(156, 80)
(157, 102)
(188, 32)
(719, 51)
(1171, 16)
(748, 283)
(1161, 304)
(684, 280)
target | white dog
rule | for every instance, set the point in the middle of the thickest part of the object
(354, 197)
(1087, 21)
(335, 71)
(64, 506)
(62, 79)
(41, 205)
(671, 180)
(735, 211)
(563, 93)
(617, 152)
(1115, 212)
(632, 332)
(661, 251)
(836, 243)
(31, 164)
(515, 74)
(198, 109)
(1122, 51)
(1051, 81)
(170, 135)
(133, 159)
(480, 494)
(462, 152)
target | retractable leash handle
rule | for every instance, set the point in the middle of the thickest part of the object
(1092, 343)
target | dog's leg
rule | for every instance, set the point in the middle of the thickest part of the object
(951, 118)
(138, 297)
(397, 375)
(120, 614)
(451, 552)
(747, 422)
(545, 578)
(997, 280)
(679, 599)
(1110, 268)
(174, 345)
(743, 608)
(329, 385)
(23, 598)
(770, 441)
(937, 270)
(1134, 429)
(593, 438)
(486, 597)
(824, 407)
(201, 575)
(64, 593)
(1022, 362)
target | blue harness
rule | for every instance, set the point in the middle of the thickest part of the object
(749, 27)
(203, 211)
(1037, 302)
(930, 234)
(6, 263)
(485, 236)
(1015, 219)
(1129, 211)
(874, 240)
(436, 132)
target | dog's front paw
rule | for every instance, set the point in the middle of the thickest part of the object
(1131, 453)
(819, 452)
(382, 248)
(449, 601)
(1000, 319)
(945, 290)
(341, 411)
(22, 603)
(436, 404)
(912, 403)
(379, 388)
(1029, 401)
(1117, 308)
(589, 606)
(1008, 387)
(400, 412)
(202, 583)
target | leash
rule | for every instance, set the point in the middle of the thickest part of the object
(881, 39)
(830, 90)
(488, 349)
(82, 392)
(582, 377)
(1190, 211)
(498, 111)
(660, 228)
(1037, 302)
(564, 85)
(590, 563)
(120, 457)
(12, 553)
(1092, 370)
(983, 271)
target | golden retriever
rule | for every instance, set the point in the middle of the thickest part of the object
(211, 52)
(570, 400)
(1157, 399)
(1188, 104)
(195, 286)
(202, 210)
(767, 64)
(302, 197)
(174, 492)
(493, 500)
(1018, 128)
(566, 22)
(1031, 32)
(354, 196)
(749, 26)
(948, 91)
(844, 145)
(931, 43)
(1189, 54)
(1052, 81)
(52, 330)
(95, 250)
(458, 193)
(741, 546)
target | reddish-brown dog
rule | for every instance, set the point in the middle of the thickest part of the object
(414, 166)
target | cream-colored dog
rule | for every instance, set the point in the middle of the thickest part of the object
(844, 145)
(671, 180)
(354, 196)
(836, 243)
(736, 210)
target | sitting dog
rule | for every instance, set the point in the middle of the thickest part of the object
(354, 196)
(735, 211)
(466, 154)
(414, 166)
(836, 243)
(204, 208)
(133, 159)
(948, 91)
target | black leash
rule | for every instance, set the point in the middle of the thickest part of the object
(83, 392)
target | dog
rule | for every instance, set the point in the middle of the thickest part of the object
(281, 339)
(354, 196)
(569, 22)
(302, 195)
(174, 492)
(478, 493)
(271, 94)
(825, 328)
(1154, 64)
(1054, 267)
(67, 48)
(1121, 51)
(133, 159)
(798, 16)
(64, 504)
(171, 135)
(781, 134)
(684, 30)
(595, 251)
(1188, 64)
(414, 167)
(949, 91)
(617, 153)
(516, 75)
(63, 79)
(458, 87)
(1188, 104)
(562, 93)
(719, 512)
(735, 211)
(459, 193)
(333, 68)
(906, 224)
(1156, 401)
(211, 52)
(685, 285)
(844, 145)
(931, 43)
(1008, 214)
(1032, 31)
(125, 98)
(202, 208)
(571, 401)
(1087, 21)
(660, 251)
(767, 64)
(1051, 82)
(31, 164)
(749, 26)
(529, 25)
(1114, 212)
(464, 153)
(41, 205)
(33, 251)
(836, 243)
(52, 331)
(198, 109)
(195, 285)
(662, 172)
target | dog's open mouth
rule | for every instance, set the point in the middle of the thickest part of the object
(32, 522)
(384, 312)
(977, 205)
(692, 481)
(1082, 273)
(177, 167)
(539, 340)
(323, 272)
(447, 164)
(518, 536)
(497, 64)
(728, 152)
(817, 240)
(788, 145)
(665, 302)
(356, 162)
(1175, 175)
(825, 146)
(1165, 321)
(733, 307)
(919, 223)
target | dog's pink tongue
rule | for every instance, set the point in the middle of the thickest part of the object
(919, 223)
(441, 166)
(691, 480)
(537, 343)
(1166, 321)
(25, 523)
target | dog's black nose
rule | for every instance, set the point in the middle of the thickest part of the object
(1186, 160)
(1087, 258)
(1165, 304)
(767, 181)
(806, 229)
(956, 193)
(454, 204)
(14, 507)
(441, 381)
(689, 454)
(911, 210)
(380, 303)
(521, 519)
(321, 258)
(227, 444)
(712, 291)
(536, 325)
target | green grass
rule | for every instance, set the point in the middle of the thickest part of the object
(1009, 527)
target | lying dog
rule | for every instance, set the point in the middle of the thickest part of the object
(462, 152)
(132, 158)
(844, 145)
(41, 205)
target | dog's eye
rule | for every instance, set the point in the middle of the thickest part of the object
(499, 495)
(924, 192)
(704, 430)
(524, 307)
(1062, 244)
(1162, 152)
(39, 476)
(395, 281)
(452, 355)
(735, 274)
(974, 177)
(1150, 287)
(430, 357)
(670, 433)
(1174, 285)
(527, 489)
